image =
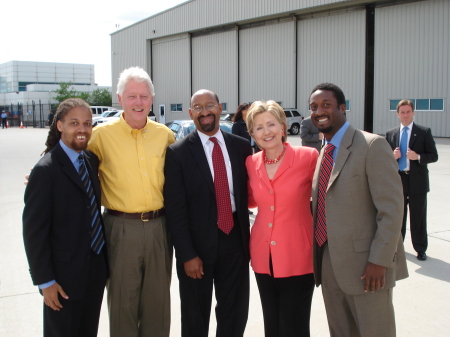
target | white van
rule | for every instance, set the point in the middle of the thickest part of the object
(98, 110)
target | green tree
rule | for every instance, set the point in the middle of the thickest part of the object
(65, 91)
(100, 97)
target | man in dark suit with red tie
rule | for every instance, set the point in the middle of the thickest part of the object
(205, 196)
(62, 227)
(413, 147)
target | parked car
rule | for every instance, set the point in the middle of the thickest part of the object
(227, 116)
(181, 128)
(98, 110)
(100, 120)
(293, 120)
(107, 113)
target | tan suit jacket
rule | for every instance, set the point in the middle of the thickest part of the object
(364, 210)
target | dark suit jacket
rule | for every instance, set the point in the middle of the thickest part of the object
(422, 143)
(310, 134)
(57, 223)
(364, 210)
(190, 201)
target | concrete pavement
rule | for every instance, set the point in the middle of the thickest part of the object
(422, 302)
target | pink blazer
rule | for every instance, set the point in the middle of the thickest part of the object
(283, 226)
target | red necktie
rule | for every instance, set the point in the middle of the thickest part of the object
(325, 171)
(224, 214)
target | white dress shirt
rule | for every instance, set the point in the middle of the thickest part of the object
(208, 147)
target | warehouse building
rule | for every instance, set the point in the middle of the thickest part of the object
(377, 51)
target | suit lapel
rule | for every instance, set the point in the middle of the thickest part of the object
(198, 152)
(286, 163)
(94, 177)
(67, 167)
(414, 131)
(396, 137)
(343, 154)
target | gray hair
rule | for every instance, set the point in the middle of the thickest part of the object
(136, 74)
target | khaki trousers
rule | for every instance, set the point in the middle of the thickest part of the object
(140, 260)
(367, 315)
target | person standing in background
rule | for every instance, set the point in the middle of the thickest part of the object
(4, 116)
(50, 117)
(413, 147)
(310, 135)
(240, 127)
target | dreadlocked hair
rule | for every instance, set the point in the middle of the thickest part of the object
(54, 135)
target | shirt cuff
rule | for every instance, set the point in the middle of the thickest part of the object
(46, 285)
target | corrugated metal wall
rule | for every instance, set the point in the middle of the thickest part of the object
(412, 60)
(215, 66)
(171, 74)
(267, 63)
(332, 49)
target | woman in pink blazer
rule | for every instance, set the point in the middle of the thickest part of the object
(280, 180)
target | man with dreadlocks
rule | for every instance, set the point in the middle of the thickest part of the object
(62, 228)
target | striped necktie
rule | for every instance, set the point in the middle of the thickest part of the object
(324, 177)
(97, 238)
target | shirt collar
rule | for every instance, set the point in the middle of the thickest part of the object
(337, 138)
(205, 138)
(129, 129)
(73, 155)
(409, 126)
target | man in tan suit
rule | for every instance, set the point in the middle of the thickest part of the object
(357, 209)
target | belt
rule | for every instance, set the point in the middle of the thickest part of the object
(145, 216)
(403, 172)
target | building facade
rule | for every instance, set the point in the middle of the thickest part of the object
(27, 88)
(377, 51)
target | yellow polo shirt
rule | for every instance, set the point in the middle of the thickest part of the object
(131, 164)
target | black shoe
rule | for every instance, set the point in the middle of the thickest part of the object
(421, 256)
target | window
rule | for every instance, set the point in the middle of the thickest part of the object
(347, 105)
(176, 107)
(422, 104)
(224, 107)
(295, 113)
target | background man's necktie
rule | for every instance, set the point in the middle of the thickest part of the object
(324, 177)
(224, 214)
(403, 149)
(97, 238)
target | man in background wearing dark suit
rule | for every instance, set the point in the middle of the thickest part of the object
(414, 148)
(205, 195)
(62, 227)
(310, 135)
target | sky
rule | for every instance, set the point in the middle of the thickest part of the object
(70, 31)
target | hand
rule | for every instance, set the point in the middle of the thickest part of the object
(397, 153)
(51, 296)
(27, 178)
(412, 155)
(320, 135)
(374, 277)
(194, 268)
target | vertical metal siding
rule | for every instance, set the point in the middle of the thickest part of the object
(267, 63)
(332, 49)
(214, 66)
(412, 45)
(171, 75)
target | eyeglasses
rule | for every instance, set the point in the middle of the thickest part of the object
(209, 107)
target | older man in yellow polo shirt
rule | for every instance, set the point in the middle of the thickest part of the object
(132, 151)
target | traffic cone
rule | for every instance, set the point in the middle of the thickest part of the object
(7, 124)
(21, 125)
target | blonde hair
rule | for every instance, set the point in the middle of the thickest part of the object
(274, 108)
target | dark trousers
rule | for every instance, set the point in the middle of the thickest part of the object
(417, 215)
(3, 123)
(79, 318)
(286, 304)
(230, 277)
